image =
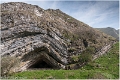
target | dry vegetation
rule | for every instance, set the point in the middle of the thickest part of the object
(8, 63)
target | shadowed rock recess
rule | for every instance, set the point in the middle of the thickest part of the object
(47, 38)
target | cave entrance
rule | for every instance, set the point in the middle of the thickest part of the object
(40, 58)
(42, 63)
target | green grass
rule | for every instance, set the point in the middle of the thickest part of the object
(54, 74)
(108, 64)
(105, 67)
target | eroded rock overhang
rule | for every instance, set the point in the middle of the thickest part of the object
(43, 57)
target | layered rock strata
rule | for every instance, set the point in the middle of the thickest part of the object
(47, 37)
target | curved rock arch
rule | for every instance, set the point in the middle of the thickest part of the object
(42, 56)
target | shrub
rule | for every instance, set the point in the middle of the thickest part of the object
(87, 55)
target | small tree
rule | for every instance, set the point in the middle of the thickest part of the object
(87, 55)
(7, 63)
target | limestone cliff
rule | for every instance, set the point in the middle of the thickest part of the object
(45, 38)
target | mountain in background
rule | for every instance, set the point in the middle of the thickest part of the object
(48, 38)
(110, 31)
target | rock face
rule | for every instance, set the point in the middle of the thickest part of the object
(45, 38)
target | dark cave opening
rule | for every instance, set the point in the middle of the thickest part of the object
(41, 64)
(85, 43)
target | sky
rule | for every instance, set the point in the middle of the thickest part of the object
(96, 13)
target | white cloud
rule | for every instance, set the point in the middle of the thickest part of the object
(96, 13)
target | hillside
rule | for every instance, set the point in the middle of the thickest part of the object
(50, 38)
(110, 31)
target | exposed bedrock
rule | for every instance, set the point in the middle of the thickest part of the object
(46, 38)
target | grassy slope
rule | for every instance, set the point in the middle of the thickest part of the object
(107, 66)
